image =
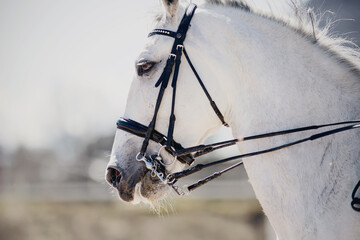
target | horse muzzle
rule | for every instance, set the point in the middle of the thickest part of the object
(124, 183)
(139, 185)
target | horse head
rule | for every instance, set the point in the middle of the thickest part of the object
(195, 119)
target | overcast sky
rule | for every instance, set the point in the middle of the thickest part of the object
(66, 66)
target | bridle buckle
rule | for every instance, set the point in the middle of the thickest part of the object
(180, 46)
(172, 55)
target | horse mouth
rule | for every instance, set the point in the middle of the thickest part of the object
(141, 186)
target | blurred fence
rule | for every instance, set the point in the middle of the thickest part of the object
(92, 191)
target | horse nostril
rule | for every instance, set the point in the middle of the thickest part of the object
(113, 176)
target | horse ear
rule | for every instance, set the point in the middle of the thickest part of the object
(171, 7)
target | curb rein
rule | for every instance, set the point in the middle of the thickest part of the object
(187, 156)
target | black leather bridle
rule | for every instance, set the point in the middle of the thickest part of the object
(187, 155)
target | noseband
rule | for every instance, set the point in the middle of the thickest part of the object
(187, 155)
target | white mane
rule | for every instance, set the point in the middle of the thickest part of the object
(303, 20)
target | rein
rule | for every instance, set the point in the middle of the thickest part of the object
(155, 164)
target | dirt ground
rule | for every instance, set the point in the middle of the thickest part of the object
(185, 219)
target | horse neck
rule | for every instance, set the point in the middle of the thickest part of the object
(261, 64)
(282, 80)
(285, 79)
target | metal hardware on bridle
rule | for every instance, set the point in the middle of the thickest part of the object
(153, 164)
(140, 130)
(160, 160)
(187, 156)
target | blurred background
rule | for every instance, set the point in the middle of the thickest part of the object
(66, 67)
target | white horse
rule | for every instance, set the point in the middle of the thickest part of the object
(265, 74)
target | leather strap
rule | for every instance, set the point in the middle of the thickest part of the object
(140, 130)
(180, 36)
(212, 102)
(165, 76)
(355, 203)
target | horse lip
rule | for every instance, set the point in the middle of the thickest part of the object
(127, 196)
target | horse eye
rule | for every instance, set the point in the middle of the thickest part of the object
(143, 67)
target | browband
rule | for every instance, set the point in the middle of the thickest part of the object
(162, 32)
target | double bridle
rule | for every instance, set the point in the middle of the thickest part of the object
(187, 155)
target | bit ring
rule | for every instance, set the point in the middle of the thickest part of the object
(138, 158)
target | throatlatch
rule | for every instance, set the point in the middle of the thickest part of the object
(187, 155)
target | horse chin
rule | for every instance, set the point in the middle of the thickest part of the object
(149, 191)
(153, 189)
